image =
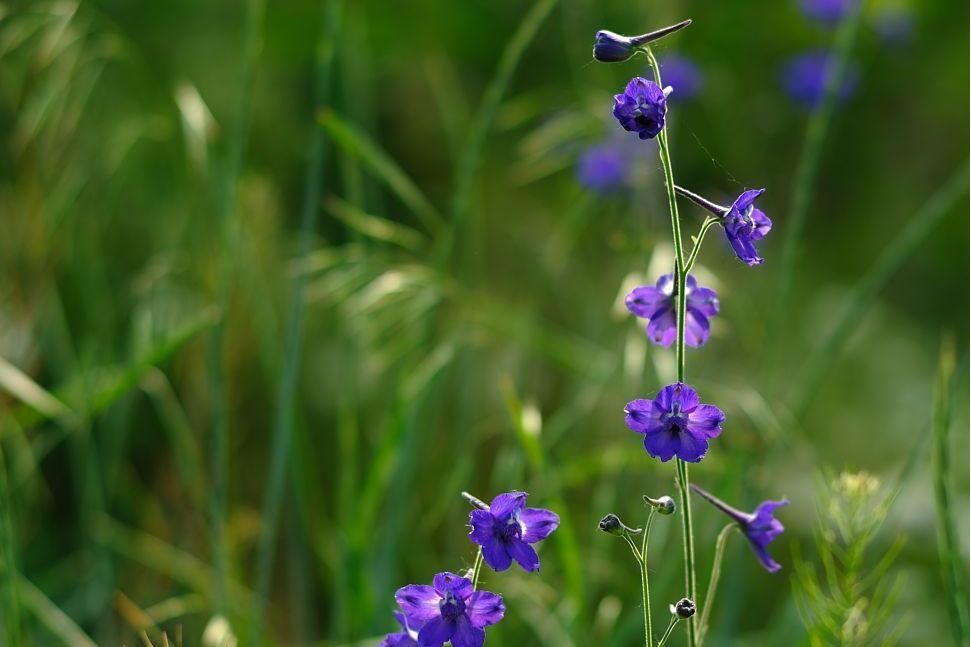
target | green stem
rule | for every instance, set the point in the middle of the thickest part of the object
(680, 274)
(476, 570)
(705, 226)
(667, 632)
(716, 570)
(645, 583)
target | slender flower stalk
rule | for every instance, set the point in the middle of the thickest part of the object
(681, 273)
(645, 582)
(716, 570)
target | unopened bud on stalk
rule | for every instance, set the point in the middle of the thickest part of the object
(609, 47)
(684, 608)
(664, 504)
(612, 525)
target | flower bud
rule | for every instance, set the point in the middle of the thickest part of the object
(664, 504)
(684, 608)
(612, 525)
(609, 47)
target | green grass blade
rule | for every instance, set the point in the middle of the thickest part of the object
(949, 545)
(55, 620)
(382, 165)
(374, 227)
(808, 167)
(286, 394)
(9, 589)
(940, 205)
(469, 162)
(19, 385)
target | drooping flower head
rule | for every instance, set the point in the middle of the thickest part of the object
(449, 610)
(641, 107)
(682, 74)
(828, 12)
(744, 225)
(506, 530)
(604, 168)
(609, 47)
(657, 305)
(675, 423)
(805, 76)
(407, 637)
(759, 527)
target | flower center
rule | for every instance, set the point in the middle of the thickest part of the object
(675, 422)
(451, 607)
(512, 529)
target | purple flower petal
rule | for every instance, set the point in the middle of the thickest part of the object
(467, 635)
(662, 443)
(760, 527)
(524, 554)
(459, 586)
(495, 554)
(538, 524)
(706, 419)
(482, 523)
(505, 504)
(419, 602)
(641, 108)
(436, 633)
(662, 329)
(485, 608)
(762, 224)
(704, 301)
(693, 446)
(646, 300)
(641, 416)
(696, 329)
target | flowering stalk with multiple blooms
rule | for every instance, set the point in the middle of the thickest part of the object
(675, 423)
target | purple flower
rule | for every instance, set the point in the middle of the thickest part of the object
(603, 168)
(405, 638)
(744, 225)
(675, 423)
(683, 75)
(449, 610)
(829, 12)
(656, 304)
(804, 78)
(759, 527)
(640, 108)
(506, 530)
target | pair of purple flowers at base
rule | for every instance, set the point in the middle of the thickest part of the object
(451, 610)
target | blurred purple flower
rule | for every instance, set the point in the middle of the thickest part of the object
(829, 12)
(804, 78)
(640, 108)
(683, 75)
(895, 26)
(507, 529)
(675, 423)
(656, 303)
(449, 610)
(404, 638)
(603, 168)
(759, 527)
(744, 225)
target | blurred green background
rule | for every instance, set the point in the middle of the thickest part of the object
(177, 199)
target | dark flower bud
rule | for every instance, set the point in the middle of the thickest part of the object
(684, 609)
(664, 504)
(612, 525)
(609, 47)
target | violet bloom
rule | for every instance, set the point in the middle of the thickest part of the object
(657, 304)
(675, 423)
(805, 76)
(506, 530)
(640, 108)
(759, 527)
(609, 47)
(744, 225)
(683, 75)
(407, 637)
(603, 168)
(449, 610)
(829, 12)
